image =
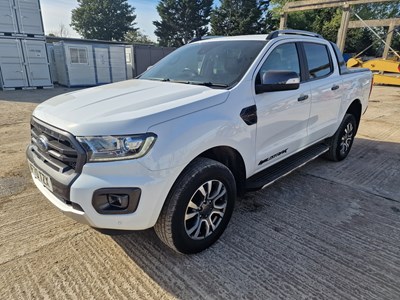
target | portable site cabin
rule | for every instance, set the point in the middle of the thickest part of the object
(23, 63)
(85, 63)
(21, 17)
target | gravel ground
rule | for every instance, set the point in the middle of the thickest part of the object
(327, 231)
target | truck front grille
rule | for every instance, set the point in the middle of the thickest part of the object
(58, 149)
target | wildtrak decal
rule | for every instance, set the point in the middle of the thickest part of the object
(273, 156)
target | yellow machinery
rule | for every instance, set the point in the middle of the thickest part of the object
(386, 71)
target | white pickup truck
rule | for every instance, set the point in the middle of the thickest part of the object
(174, 147)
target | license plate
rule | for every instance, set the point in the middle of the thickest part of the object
(39, 175)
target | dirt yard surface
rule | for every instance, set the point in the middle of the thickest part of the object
(327, 231)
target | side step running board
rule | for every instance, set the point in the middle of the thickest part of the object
(285, 167)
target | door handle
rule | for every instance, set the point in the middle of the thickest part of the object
(302, 98)
(335, 87)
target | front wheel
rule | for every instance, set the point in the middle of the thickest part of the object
(340, 144)
(198, 207)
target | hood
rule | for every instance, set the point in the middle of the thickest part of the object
(126, 107)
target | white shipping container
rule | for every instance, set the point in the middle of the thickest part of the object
(29, 17)
(8, 18)
(37, 65)
(12, 65)
(23, 63)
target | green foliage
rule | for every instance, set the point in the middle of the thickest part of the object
(327, 23)
(181, 21)
(103, 19)
(235, 17)
(137, 37)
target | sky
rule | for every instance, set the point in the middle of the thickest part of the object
(56, 12)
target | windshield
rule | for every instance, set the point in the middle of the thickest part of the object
(214, 64)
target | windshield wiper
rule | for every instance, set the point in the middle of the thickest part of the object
(155, 79)
(210, 84)
(170, 80)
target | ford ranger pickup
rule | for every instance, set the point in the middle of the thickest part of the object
(173, 148)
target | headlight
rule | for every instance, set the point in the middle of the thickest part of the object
(107, 148)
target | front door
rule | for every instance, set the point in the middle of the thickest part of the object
(282, 115)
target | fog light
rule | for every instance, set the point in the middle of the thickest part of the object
(111, 201)
(118, 201)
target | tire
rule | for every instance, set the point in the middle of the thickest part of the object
(340, 144)
(198, 207)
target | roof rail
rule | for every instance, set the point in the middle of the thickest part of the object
(205, 37)
(276, 33)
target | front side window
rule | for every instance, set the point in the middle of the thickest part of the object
(78, 55)
(282, 58)
(212, 63)
(318, 60)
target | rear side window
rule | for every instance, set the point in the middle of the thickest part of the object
(340, 59)
(318, 60)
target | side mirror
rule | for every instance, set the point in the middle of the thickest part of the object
(273, 81)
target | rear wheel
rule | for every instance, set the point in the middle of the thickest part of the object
(198, 207)
(340, 144)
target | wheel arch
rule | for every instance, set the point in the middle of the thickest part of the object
(355, 109)
(233, 160)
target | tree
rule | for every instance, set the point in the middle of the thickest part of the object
(234, 17)
(103, 19)
(181, 21)
(61, 32)
(327, 22)
(135, 36)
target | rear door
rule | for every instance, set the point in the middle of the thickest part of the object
(326, 90)
(282, 115)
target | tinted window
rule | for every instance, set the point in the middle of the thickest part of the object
(215, 62)
(340, 59)
(282, 58)
(318, 61)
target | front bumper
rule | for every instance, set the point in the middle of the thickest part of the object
(154, 186)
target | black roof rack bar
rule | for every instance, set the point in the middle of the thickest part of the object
(277, 33)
